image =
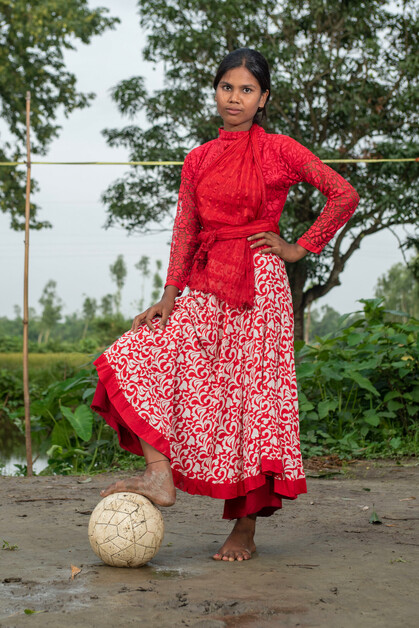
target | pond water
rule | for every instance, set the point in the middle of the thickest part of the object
(12, 449)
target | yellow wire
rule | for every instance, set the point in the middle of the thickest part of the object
(179, 163)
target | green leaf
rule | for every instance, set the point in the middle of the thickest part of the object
(393, 405)
(81, 421)
(60, 433)
(326, 406)
(355, 339)
(306, 369)
(375, 519)
(362, 381)
(52, 450)
(392, 394)
(88, 392)
(372, 418)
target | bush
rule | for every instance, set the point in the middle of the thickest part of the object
(359, 388)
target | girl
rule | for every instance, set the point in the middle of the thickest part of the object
(204, 385)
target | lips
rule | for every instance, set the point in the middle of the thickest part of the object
(233, 111)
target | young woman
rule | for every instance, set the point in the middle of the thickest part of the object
(204, 385)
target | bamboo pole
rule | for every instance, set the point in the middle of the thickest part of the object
(26, 396)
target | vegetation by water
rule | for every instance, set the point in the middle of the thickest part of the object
(358, 395)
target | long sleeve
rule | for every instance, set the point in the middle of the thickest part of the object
(185, 231)
(342, 198)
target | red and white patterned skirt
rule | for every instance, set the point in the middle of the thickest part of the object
(215, 391)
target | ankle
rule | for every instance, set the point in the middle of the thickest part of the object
(247, 524)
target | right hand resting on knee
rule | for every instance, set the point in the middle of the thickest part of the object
(163, 309)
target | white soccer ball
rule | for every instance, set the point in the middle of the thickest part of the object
(126, 530)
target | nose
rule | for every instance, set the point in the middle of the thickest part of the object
(234, 96)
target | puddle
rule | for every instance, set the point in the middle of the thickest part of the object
(9, 467)
(162, 571)
(56, 594)
(12, 449)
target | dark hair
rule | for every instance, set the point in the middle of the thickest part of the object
(253, 61)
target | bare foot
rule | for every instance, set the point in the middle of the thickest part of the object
(154, 483)
(240, 544)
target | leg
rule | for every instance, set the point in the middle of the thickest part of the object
(156, 482)
(240, 544)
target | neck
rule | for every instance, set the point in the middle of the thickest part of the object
(246, 126)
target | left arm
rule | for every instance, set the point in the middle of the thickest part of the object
(342, 200)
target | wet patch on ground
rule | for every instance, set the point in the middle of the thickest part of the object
(320, 562)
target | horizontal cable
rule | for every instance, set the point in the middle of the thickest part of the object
(179, 163)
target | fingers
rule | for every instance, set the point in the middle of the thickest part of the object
(269, 238)
(151, 313)
(147, 316)
(163, 321)
(258, 235)
(138, 320)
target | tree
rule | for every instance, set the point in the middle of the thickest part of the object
(322, 322)
(51, 313)
(33, 38)
(89, 312)
(157, 282)
(118, 273)
(143, 265)
(344, 83)
(106, 306)
(400, 290)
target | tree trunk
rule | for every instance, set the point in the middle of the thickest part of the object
(307, 324)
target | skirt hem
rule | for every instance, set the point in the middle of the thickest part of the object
(111, 404)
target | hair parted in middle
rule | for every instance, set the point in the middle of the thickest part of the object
(253, 61)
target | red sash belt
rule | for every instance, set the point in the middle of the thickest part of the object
(229, 274)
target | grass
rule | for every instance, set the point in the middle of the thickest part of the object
(44, 368)
(13, 361)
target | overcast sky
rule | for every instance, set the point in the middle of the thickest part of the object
(77, 252)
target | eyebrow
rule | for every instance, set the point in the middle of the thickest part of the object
(227, 83)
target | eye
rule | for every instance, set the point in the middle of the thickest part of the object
(247, 90)
(226, 87)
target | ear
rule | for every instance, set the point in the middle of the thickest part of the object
(263, 98)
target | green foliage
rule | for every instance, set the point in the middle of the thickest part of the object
(33, 38)
(52, 307)
(157, 283)
(399, 288)
(344, 83)
(359, 388)
(143, 265)
(63, 427)
(118, 273)
(8, 546)
(358, 397)
(322, 322)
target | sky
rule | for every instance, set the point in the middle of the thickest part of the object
(78, 251)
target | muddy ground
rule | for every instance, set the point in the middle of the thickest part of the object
(319, 563)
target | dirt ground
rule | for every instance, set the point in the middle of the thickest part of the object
(319, 562)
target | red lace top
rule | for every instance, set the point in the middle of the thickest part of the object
(284, 162)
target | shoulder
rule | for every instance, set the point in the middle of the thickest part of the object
(195, 157)
(287, 148)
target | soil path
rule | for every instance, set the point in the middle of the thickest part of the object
(320, 562)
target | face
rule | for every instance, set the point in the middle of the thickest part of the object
(238, 96)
